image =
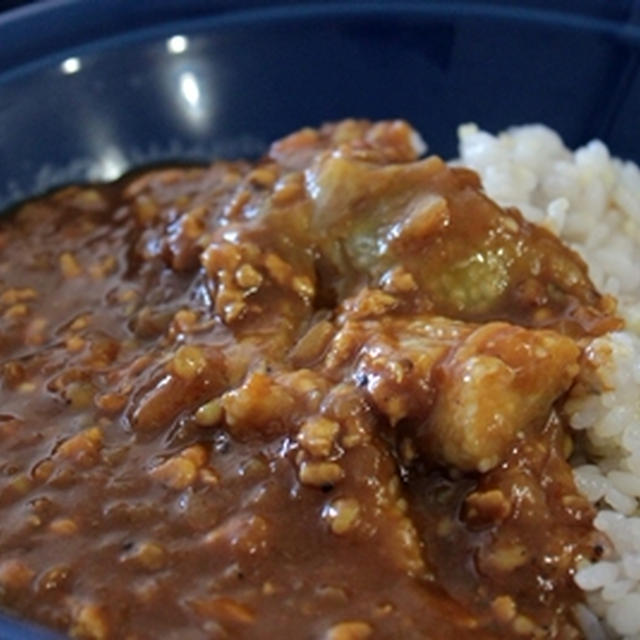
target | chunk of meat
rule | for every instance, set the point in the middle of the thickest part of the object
(498, 386)
(393, 359)
(467, 392)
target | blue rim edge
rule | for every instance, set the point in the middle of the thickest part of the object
(60, 15)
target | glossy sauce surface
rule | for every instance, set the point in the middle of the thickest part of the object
(313, 396)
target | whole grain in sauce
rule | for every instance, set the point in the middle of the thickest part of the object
(315, 396)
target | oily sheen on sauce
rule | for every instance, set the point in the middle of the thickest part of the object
(314, 395)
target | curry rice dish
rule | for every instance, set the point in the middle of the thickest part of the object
(321, 395)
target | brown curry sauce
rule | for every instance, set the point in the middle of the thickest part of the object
(314, 396)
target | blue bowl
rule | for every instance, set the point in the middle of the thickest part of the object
(90, 89)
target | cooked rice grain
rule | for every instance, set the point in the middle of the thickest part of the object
(592, 201)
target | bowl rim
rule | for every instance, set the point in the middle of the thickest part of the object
(121, 21)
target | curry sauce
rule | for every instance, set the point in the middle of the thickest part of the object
(313, 396)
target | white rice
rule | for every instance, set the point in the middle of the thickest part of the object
(592, 201)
